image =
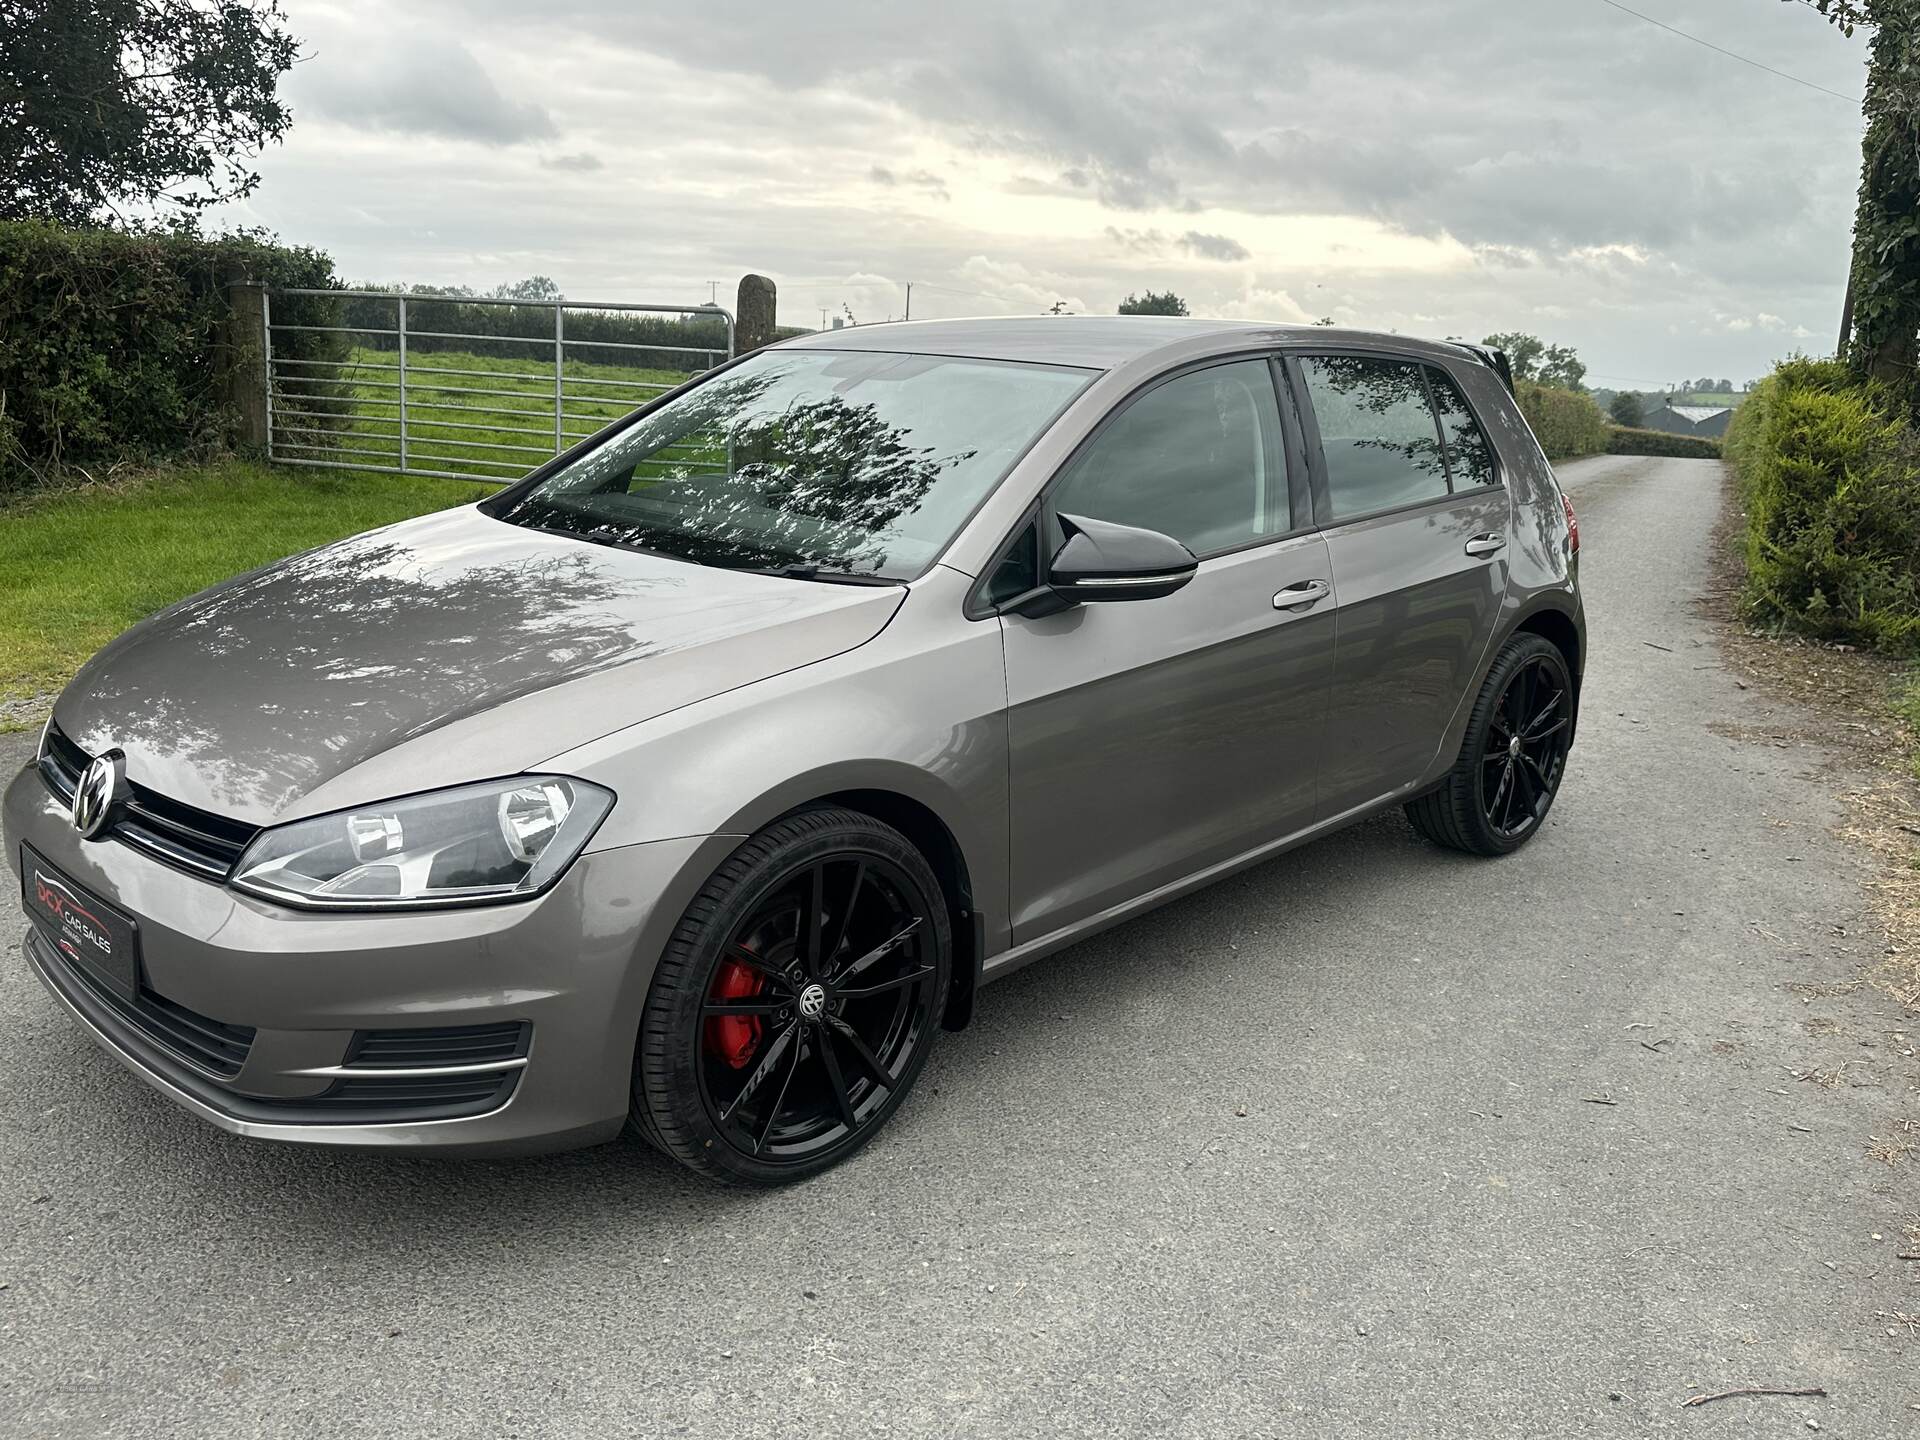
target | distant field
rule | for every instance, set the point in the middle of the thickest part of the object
(444, 429)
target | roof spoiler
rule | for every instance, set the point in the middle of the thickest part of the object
(1495, 360)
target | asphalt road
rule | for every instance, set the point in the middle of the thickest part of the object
(1313, 1153)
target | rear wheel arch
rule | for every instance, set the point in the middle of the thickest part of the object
(1557, 626)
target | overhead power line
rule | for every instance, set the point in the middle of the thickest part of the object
(976, 294)
(1731, 55)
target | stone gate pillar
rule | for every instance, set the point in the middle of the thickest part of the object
(753, 315)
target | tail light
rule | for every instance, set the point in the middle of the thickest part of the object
(1573, 527)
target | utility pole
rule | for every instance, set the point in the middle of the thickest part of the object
(909, 314)
(713, 292)
(823, 317)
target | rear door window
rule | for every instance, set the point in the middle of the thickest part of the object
(1378, 433)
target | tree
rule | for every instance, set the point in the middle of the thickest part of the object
(110, 103)
(1880, 321)
(1152, 304)
(534, 287)
(1626, 410)
(1533, 359)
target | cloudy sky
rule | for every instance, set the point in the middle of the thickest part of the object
(1439, 167)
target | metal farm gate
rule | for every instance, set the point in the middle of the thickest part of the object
(465, 388)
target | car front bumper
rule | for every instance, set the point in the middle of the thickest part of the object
(261, 1019)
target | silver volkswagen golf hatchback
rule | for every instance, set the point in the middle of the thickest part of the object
(696, 782)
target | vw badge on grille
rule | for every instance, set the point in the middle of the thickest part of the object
(98, 792)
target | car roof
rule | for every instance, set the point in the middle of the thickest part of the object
(1095, 342)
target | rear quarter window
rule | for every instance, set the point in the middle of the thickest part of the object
(1469, 454)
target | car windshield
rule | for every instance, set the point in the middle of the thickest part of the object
(813, 462)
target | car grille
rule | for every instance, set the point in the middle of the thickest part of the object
(409, 1097)
(179, 835)
(495, 1053)
(210, 1045)
(190, 1047)
(426, 1049)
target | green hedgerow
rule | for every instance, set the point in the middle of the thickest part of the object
(1829, 471)
(1632, 440)
(1567, 424)
(112, 341)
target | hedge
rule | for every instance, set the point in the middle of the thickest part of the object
(111, 342)
(1567, 424)
(1631, 440)
(1829, 470)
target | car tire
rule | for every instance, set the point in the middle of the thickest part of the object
(763, 1061)
(1512, 757)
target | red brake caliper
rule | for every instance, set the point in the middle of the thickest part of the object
(734, 1038)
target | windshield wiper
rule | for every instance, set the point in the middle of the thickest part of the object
(799, 570)
(814, 572)
(611, 538)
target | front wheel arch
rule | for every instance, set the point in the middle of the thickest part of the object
(931, 836)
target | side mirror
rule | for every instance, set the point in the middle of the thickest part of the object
(1104, 561)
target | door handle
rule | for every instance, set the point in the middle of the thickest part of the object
(1487, 544)
(1303, 595)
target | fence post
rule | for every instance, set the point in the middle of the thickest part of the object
(245, 367)
(753, 314)
(401, 322)
(559, 373)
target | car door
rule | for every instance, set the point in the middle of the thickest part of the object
(1148, 740)
(1409, 495)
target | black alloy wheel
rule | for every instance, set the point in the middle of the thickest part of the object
(796, 1002)
(1525, 748)
(1512, 758)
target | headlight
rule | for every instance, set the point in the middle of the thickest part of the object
(500, 840)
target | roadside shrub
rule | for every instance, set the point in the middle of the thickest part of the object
(1567, 424)
(1632, 440)
(1829, 471)
(112, 342)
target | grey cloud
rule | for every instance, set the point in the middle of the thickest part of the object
(1530, 141)
(924, 181)
(1137, 242)
(1579, 126)
(420, 84)
(582, 162)
(1214, 247)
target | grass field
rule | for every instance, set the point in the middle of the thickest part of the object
(357, 421)
(77, 567)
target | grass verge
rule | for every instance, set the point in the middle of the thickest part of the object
(1863, 708)
(79, 566)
